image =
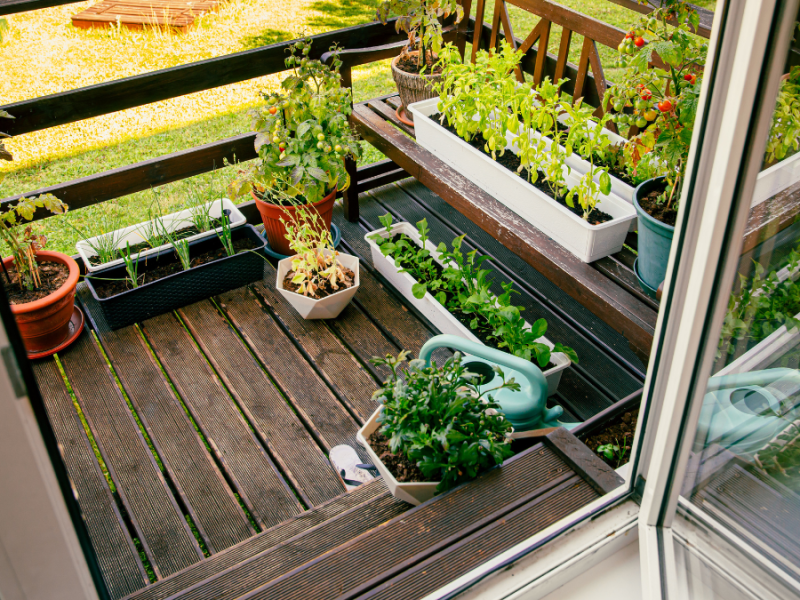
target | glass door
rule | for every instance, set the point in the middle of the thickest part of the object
(721, 497)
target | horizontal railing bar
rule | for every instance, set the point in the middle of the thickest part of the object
(120, 94)
(706, 16)
(10, 7)
(100, 187)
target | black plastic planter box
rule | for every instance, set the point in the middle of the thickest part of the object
(179, 289)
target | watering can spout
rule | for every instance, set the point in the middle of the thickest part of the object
(525, 409)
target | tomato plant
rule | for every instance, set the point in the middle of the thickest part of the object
(784, 135)
(667, 69)
(298, 129)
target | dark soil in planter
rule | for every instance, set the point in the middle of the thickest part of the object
(409, 64)
(53, 275)
(619, 433)
(511, 161)
(658, 211)
(398, 465)
(483, 332)
(179, 234)
(106, 289)
(326, 289)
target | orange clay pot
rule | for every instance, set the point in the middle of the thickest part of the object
(44, 323)
(271, 214)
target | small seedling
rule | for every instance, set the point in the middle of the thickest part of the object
(105, 245)
(131, 266)
(224, 233)
(614, 452)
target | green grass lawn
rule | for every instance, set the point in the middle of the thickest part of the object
(75, 58)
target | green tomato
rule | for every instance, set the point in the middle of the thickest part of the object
(338, 148)
(283, 155)
(328, 149)
(275, 139)
(321, 137)
(618, 105)
(641, 122)
(320, 145)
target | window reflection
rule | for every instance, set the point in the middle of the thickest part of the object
(745, 464)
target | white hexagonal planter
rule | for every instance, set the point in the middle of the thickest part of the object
(412, 492)
(325, 308)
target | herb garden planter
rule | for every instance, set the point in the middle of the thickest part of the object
(178, 289)
(275, 229)
(432, 309)
(324, 308)
(775, 179)
(655, 241)
(137, 234)
(45, 323)
(412, 492)
(587, 242)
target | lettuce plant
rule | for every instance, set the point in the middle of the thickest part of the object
(463, 286)
(439, 419)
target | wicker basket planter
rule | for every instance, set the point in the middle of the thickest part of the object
(182, 288)
(413, 87)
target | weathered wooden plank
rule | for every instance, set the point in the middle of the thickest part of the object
(361, 497)
(384, 110)
(771, 217)
(92, 189)
(205, 493)
(159, 521)
(294, 552)
(460, 558)
(624, 278)
(313, 400)
(331, 356)
(583, 461)
(422, 531)
(112, 96)
(292, 447)
(119, 562)
(603, 297)
(252, 472)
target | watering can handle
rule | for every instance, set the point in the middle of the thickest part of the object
(750, 378)
(530, 371)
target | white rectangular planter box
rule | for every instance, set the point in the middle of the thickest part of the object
(413, 493)
(433, 310)
(777, 178)
(587, 242)
(134, 234)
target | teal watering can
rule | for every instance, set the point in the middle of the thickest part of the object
(744, 411)
(525, 409)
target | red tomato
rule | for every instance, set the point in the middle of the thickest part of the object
(272, 110)
(665, 106)
(646, 94)
(638, 42)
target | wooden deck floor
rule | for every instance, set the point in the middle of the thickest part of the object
(213, 423)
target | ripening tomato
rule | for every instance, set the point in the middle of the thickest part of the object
(646, 94)
(665, 106)
(690, 77)
(272, 110)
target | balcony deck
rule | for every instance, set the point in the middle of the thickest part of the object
(213, 423)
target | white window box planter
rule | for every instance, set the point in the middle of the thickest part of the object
(777, 178)
(412, 492)
(587, 242)
(433, 310)
(135, 234)
(328, 307)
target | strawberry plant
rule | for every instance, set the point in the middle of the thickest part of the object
(660, 99)
(303, 134)
(439, 419)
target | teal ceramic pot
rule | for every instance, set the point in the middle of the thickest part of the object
(655, 241)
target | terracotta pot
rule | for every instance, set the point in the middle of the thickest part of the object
(275, 229)
(413, 87)
(44, 323)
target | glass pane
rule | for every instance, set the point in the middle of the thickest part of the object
(744, 469)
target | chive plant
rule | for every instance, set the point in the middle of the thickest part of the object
(224, 233)
(131, 266)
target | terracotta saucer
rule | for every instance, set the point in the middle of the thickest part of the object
(75, 329)
(402, 116)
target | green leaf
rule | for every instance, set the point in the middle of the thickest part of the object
(605, 183)
(419, 290)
